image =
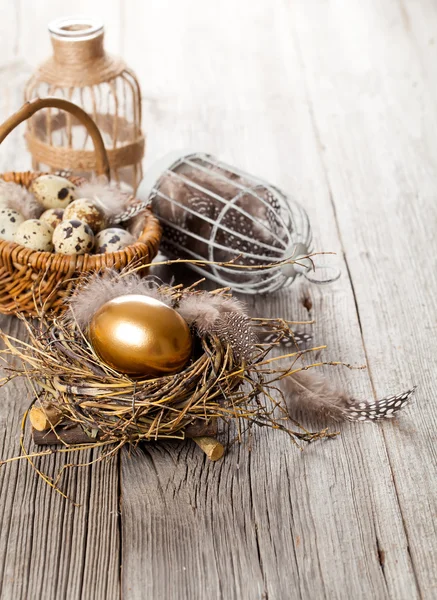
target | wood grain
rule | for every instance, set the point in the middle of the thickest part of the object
(395, 179)
(33, 39)
(52, 549)
(334, 102)
(328, 523)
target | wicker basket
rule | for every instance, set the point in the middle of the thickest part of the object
(31, 280)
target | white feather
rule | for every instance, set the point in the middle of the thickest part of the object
(110, 198)
(20, 199)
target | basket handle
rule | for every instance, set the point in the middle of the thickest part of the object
(30, 108)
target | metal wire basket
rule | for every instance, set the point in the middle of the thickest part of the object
(212, 211)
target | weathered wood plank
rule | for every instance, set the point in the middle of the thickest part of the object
(323, 524)
(333, 102)
(9, 32)
(375, 87)
(51, 549)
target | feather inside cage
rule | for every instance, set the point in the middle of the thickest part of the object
(212, 211)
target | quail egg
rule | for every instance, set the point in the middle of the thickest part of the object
(53, 191)
(10, 220)
(52, 216)
(86, 211)
(113, 239)
(73, 237)
(36, 235)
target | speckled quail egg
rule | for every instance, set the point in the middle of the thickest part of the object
(86, 211)
(73, 237)
(52, 216)
(53, 191)
(36, 235)
(113, 239)
(10, 220)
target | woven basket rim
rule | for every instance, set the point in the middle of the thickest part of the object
(52, 261)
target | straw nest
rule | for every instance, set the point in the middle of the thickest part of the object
(230, 376)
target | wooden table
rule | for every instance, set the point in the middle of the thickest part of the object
(335, 102)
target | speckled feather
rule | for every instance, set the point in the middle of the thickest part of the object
(299, 339)
(314, 395)
(221, 316)
(386, 408)
(235, 329)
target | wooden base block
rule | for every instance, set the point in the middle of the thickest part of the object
(75, 435)
(202, 433)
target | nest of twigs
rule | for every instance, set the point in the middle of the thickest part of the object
(234, 375)
(218, 383)
(231, 378)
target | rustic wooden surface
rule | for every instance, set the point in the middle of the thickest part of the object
(335, 102)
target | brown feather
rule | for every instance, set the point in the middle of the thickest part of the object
(198, 311)
(99, 289)
(135, 225)
(221, 316)
(314, 395)
(203, 309)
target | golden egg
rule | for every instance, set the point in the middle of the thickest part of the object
(139, 335)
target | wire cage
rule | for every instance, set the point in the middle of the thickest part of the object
(212, 211)
(81, 71)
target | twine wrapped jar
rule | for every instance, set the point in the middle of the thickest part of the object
(81, 71)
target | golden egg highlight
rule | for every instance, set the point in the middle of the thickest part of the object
(140, 336)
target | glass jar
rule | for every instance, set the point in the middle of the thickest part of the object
(81, 71)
